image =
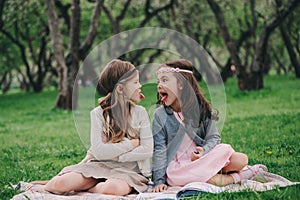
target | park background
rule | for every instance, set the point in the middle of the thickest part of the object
(255, 45)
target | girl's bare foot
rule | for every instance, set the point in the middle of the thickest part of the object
(38, 188)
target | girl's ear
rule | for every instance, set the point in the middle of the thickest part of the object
(180, 85)
(119, 89)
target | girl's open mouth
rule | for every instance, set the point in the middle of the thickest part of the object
(164, 96)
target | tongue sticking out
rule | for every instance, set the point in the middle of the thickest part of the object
(164, 98)
(142, 96)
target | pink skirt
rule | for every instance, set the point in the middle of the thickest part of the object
(183, 171)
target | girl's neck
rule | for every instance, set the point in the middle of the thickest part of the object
(176, 107)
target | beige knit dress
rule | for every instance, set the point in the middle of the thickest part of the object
(118, 160)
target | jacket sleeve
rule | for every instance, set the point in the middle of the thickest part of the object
(212, 137)
(160, 151)
(101, 150)
(145, 149)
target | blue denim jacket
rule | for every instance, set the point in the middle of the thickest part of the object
(168, 134)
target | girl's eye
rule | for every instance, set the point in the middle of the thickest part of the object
(163, 80)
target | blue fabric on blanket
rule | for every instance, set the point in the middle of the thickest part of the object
(189, 193)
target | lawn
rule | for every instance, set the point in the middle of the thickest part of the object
(37, 141)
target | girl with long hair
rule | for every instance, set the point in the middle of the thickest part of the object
(186, 140)
(117, 162)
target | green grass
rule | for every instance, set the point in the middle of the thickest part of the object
(38, 141)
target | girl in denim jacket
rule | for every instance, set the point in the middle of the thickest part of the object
(186, 140)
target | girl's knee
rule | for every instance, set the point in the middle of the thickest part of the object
(240, 160)
(243, 159)
(113, 187)
(97, 188)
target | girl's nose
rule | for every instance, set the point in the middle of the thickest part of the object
(159, 86)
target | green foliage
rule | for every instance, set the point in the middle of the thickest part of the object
(8, 53)
(26, 25)
(38, 141)
(193, 18)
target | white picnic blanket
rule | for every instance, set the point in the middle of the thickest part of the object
(262, 182)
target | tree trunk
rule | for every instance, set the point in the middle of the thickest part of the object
(261, 46)
(5, 82)
(67, 68)
(72, 60)
(24, 85)
(250, 81)
(63, 97)
(280, 64)
(227, 71)
(231, 45)
(292, 54)
(92, 32)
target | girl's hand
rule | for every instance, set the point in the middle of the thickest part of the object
(197, 154)
(135, 142)
(159, 188)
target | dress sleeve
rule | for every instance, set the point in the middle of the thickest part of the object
(212, 137)
(145, 149)
(101, 150)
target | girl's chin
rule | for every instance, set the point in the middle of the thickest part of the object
(136, 100)
(166, 103)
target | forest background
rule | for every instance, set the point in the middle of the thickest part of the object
(43, 43)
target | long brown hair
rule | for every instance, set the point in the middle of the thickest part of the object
(194, 106)
(116, 107)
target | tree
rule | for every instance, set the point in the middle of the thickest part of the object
(28, 32)
(67, 66)
(9, 65)
(290, 31)
(251, 77)
(182, 18)
(136, 16)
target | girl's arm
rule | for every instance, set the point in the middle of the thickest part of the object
(160, 152)
(101, 150)
(212, 137)
(145, 149)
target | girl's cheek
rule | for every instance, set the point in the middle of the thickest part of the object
(165, 83)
